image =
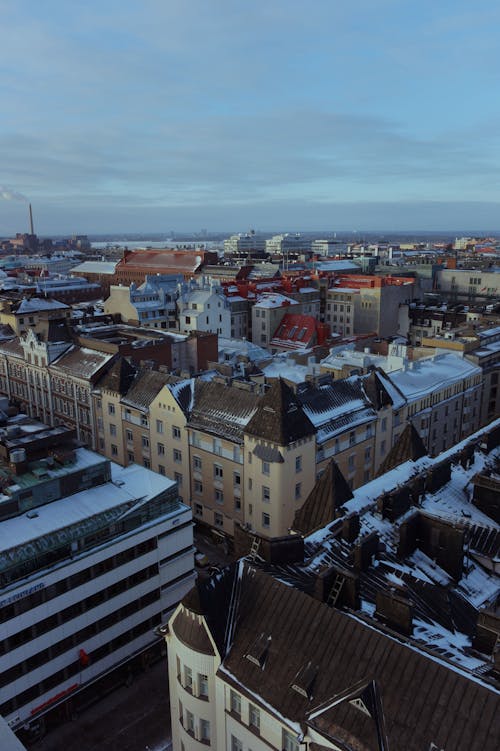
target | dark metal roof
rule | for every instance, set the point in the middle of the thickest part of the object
(279, 417)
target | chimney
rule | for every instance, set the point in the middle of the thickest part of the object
(31, 221)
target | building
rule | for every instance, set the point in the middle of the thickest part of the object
(151, 304)
(472, 285)
(340, 310)
(202, 306)
(34, 313)
(245, 244)
(93, 557)
(373, 629)
(287, 243)
(267, 313)
(137, 264)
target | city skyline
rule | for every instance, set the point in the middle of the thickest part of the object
(178, 116)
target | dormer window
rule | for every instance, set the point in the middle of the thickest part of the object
(258, 651)
(304, 680)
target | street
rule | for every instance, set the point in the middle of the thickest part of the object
(131, 718)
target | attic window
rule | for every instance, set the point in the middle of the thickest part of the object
(304, 680)
(302, 333)
(258, 651)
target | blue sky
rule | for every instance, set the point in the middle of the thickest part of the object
(152, 115)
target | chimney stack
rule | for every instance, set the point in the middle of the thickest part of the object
(31, 222)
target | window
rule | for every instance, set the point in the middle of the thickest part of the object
(254, 717)
(202, 685)
(159, 426)
(161, 469)
(176, 432)
(218, 472)
(114, 450)
(189, 722)
(290, 742)
(219, 496)
(198, 487)
(218, 519)
(266, 520)
(383, 424)
(352, 462)
(111, 409)
(352, 438)
(178, 479)
(205, 731)
(145, 442)
(198, 509)
(130, 436)
(236, 744)
(298, 491)
(146, 463)
(298, 464)
(161, 449)
(112, 429)
(266, 494)
(367, 454)
(265, 468)
(177, 455)
(197, 462)
(237, 479)
(235, 702)
(188, 678)
(131, 457)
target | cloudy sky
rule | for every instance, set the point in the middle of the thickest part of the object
(153, 115)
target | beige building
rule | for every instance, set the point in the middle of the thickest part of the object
(340, 310)
(35, 313)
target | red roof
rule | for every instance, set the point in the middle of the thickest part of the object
(295, 331)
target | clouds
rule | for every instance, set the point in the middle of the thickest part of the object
(199, 105)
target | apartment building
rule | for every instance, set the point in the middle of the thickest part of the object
(151, 304)
(340, 310)
(314, 641)
(267, 314)
(34, 313)
(93, 557)
(202, 306)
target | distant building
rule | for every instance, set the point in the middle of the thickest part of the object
(287, 243)
(151, 304)
(248, 244)
(137, 264)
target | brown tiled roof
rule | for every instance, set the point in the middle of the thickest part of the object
(329, 493)
(279, 417)
(409, 447)
(221, 409)
(119, 376)
(145, 388)
(423, 700)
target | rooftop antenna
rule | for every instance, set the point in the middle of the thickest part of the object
(31, 221)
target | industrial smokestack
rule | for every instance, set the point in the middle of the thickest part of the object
(31, 222)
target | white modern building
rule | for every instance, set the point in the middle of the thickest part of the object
(93, 557)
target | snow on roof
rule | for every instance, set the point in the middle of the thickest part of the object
(37, 303)
(273, 300)
(424, 376)
(95, 267)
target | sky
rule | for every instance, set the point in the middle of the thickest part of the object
(332, 115)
